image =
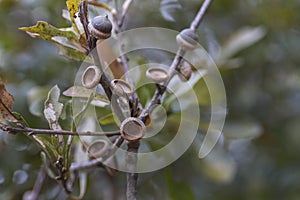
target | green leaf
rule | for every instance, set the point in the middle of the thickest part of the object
(213, 47)
(49, 171)
(218, 166)
(242, 130)
(168, 8)
(52, 111)
(67, 153)
(80, 156)
(36, 97)
(45, 143)
(78, 114)
(202, 93)
(107, 119)
(183, 89)
(240, 40)
(82, 92)
(20, 118)
(82, 183)
(46, 31)
(54, 145)
(71, 53)
(68, 41)
(36, 108)
(178, 190)
(53, 108)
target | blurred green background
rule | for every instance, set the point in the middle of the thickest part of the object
(264, 90)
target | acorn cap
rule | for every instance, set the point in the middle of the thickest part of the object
(97, 148)
(156, 74)
(91, 77)
(132, 129)
(187, 39)
(120, 87)
(100, 27)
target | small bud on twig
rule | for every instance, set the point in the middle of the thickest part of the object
(185, 71)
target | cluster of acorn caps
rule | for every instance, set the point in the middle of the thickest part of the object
(132, 129)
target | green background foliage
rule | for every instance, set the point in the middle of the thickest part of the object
(261, 155)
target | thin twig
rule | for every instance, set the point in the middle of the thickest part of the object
(132, 176)
(86, 165)
(125, 8)
(156, 99)
(33, 131)
(10, 114)
(117, 30)
(92, 43)
(136, 106)
(84, 21)
(34, 195)
(62, 174)
(104, 81)
(196, 22)
(99, 4)
(98, 161)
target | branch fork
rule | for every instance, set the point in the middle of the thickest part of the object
(131, 128)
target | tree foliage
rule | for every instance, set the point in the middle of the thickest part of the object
(262, 83)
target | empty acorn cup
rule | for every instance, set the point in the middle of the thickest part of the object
(121, 87)
(91, 77)
(97, 148)
(132, 129)
(157, 75)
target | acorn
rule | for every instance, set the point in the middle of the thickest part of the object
(185, 71)
(97, 148)
(132, 129)
(100, 27)
(121, 87)
(91, 77)
(157, 75)
(187, 39)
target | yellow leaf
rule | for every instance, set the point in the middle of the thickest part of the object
(107, 119)
(69, 44)
(73, 9)
(47, 32)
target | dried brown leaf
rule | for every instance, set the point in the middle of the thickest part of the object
(6, 102)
